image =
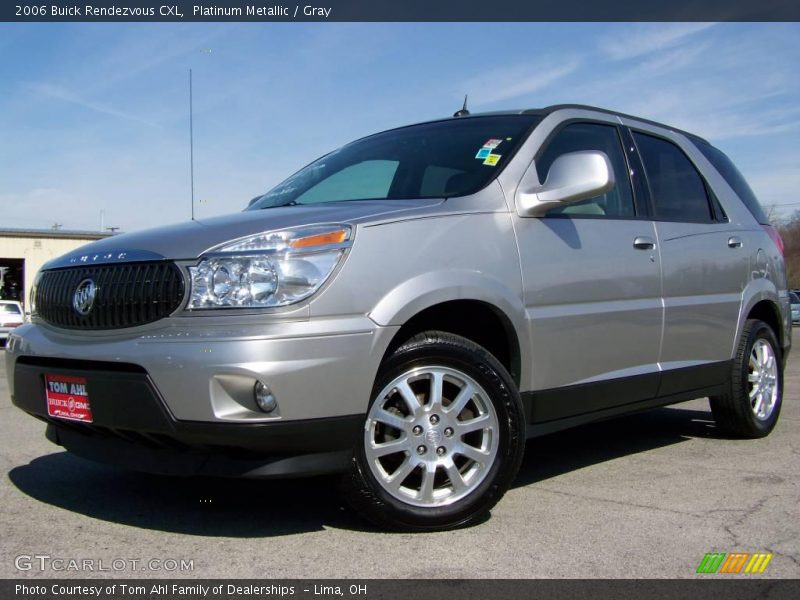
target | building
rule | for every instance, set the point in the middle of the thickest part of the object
(24, 251)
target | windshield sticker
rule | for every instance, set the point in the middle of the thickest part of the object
(492, 159)
(483, 153)
(492, 143)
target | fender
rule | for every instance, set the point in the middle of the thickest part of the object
(436, 287)
(759, 289)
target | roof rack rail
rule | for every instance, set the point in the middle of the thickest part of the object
(551, 109)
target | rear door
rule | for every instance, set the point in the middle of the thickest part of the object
(704, 265)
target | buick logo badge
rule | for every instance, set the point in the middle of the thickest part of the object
(433, 437)
(83, 299)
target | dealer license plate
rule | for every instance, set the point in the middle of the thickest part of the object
(67, 398)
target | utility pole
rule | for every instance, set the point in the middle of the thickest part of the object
(191, 143)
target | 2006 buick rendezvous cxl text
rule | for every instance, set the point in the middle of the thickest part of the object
(409, 308)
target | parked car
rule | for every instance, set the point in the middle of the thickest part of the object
(11, 317)
(795, 305)
(410, 308)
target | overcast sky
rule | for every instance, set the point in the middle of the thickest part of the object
(94, 117)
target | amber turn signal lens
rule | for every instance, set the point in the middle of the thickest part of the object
(320, 239)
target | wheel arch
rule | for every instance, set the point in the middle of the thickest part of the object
(478, 308)
(763, 303)
(768, 311)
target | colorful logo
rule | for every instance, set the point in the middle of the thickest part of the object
(734, 562)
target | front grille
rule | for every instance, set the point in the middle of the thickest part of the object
(127, 295)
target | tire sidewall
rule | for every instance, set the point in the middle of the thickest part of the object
(504, 397)
(760, 331)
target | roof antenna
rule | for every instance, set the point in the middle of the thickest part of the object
(463, 112)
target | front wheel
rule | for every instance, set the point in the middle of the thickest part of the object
(443, 438)
(751, 406)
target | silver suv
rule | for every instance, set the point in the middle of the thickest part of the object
(409, 308)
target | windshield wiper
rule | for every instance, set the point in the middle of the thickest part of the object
(288, 203)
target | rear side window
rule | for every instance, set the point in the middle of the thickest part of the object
(735, 179)
(677, 190)
(617, 203)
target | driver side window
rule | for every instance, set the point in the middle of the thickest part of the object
(617, 203)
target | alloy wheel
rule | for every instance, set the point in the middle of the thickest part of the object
(431, 436)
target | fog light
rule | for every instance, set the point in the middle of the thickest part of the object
(264, 398)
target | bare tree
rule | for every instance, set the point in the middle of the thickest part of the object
(789, 228)
(773, 214)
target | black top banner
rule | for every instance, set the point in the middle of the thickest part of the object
(401, 10)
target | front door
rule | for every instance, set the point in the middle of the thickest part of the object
(592, 288)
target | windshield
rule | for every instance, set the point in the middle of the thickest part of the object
(448, 158)
(10, 309)
(794, 298)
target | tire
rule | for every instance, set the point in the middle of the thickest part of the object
(439, 475)
(750, 408)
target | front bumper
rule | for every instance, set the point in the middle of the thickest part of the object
(180, 401)
(316, 368)
(132, 428)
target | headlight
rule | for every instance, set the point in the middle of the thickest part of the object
(269, 269)
(32, 294)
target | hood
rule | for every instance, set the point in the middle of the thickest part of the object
(190, 239)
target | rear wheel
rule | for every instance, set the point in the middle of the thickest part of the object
(443, 438)
(752, 405)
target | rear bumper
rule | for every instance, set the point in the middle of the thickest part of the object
(133, 428)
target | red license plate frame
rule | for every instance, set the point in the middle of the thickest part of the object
(67, 398)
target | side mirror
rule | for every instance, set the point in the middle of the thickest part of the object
(572, 177)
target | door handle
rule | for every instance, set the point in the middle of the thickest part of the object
(642, 242)
(734, 242)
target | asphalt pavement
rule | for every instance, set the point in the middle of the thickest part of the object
(642, 496)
